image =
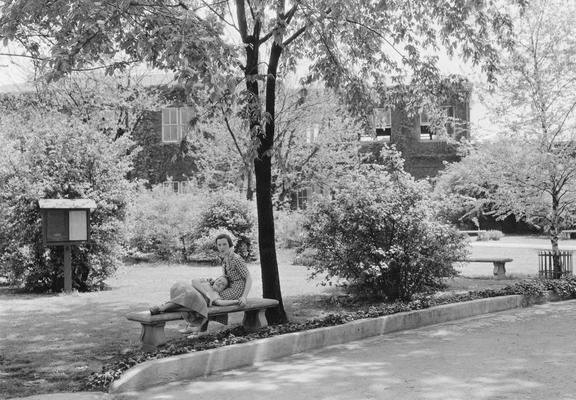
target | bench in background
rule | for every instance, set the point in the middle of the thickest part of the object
(567, 234)
(475, 232)
(153, 325)
(499, 264)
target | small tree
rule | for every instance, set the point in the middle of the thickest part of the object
(378, 234)
(535, 102)
(52, 155)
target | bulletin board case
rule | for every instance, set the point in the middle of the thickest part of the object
(65, 222)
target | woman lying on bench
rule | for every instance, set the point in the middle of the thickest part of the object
(193, 299)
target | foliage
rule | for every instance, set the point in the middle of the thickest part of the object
(535, 103)
(162, 222)
(228, 211)
(490, 234)
(378, 234)
(463, 190)
(289, 228)
(176, 226)
(316, 142)
(52, 155)
(205, 246)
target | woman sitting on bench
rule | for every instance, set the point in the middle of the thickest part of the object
(195, 297)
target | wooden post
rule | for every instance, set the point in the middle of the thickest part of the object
(67, 269)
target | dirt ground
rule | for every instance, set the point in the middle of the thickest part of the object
(51, 343)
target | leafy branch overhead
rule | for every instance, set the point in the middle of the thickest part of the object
(349, 45)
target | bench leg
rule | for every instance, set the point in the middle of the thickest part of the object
(152, 336)
(254, 320)
(499, 269)
(221, 319)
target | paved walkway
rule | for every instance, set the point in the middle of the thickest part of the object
(518, 354)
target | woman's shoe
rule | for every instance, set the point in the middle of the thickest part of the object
(189, 329)
(197, 335)
(154, 310)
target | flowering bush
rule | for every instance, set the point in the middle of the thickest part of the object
(378, 235)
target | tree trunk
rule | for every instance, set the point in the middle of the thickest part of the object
(263, 169)
(249, 188)
(263, 166)
(554, 228)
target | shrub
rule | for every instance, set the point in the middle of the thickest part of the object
(205, 246)
(51, 155)
(164, 223)
(289, 228)
(228, 211)
(378, 235)
(490, 235)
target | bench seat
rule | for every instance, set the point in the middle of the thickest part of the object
(499, 264)
(153, 325)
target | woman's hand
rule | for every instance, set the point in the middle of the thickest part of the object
(242, 301)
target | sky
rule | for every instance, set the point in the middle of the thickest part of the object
(13, 70)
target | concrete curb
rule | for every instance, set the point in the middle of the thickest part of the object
(68, 396)
(192, 365)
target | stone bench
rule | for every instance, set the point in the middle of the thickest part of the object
(153, 325)
(499, 264)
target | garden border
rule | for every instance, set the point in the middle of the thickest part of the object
(198, 364)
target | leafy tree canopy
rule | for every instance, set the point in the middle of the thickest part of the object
(350, 45)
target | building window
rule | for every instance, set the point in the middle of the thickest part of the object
(450, 122)
(176, 186)
(312, 133)
(426, 130)
(302, 199)
(175, 122)
(383, 123)
(425, 126)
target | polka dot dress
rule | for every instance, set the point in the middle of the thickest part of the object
(237, 272)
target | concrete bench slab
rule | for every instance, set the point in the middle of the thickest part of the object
(499, 264)
(153, 325)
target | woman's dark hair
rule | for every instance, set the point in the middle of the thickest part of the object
(225, 236)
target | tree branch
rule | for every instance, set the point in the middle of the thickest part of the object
(233, 136)
(242, 25)
(294, 36)
(220, 16)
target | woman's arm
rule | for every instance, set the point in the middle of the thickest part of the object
(222, 302)
(243, 299)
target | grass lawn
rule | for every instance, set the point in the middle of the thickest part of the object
(52, 343)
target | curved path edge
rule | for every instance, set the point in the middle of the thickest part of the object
(203, 363)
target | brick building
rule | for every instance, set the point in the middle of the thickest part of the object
(425, 141)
